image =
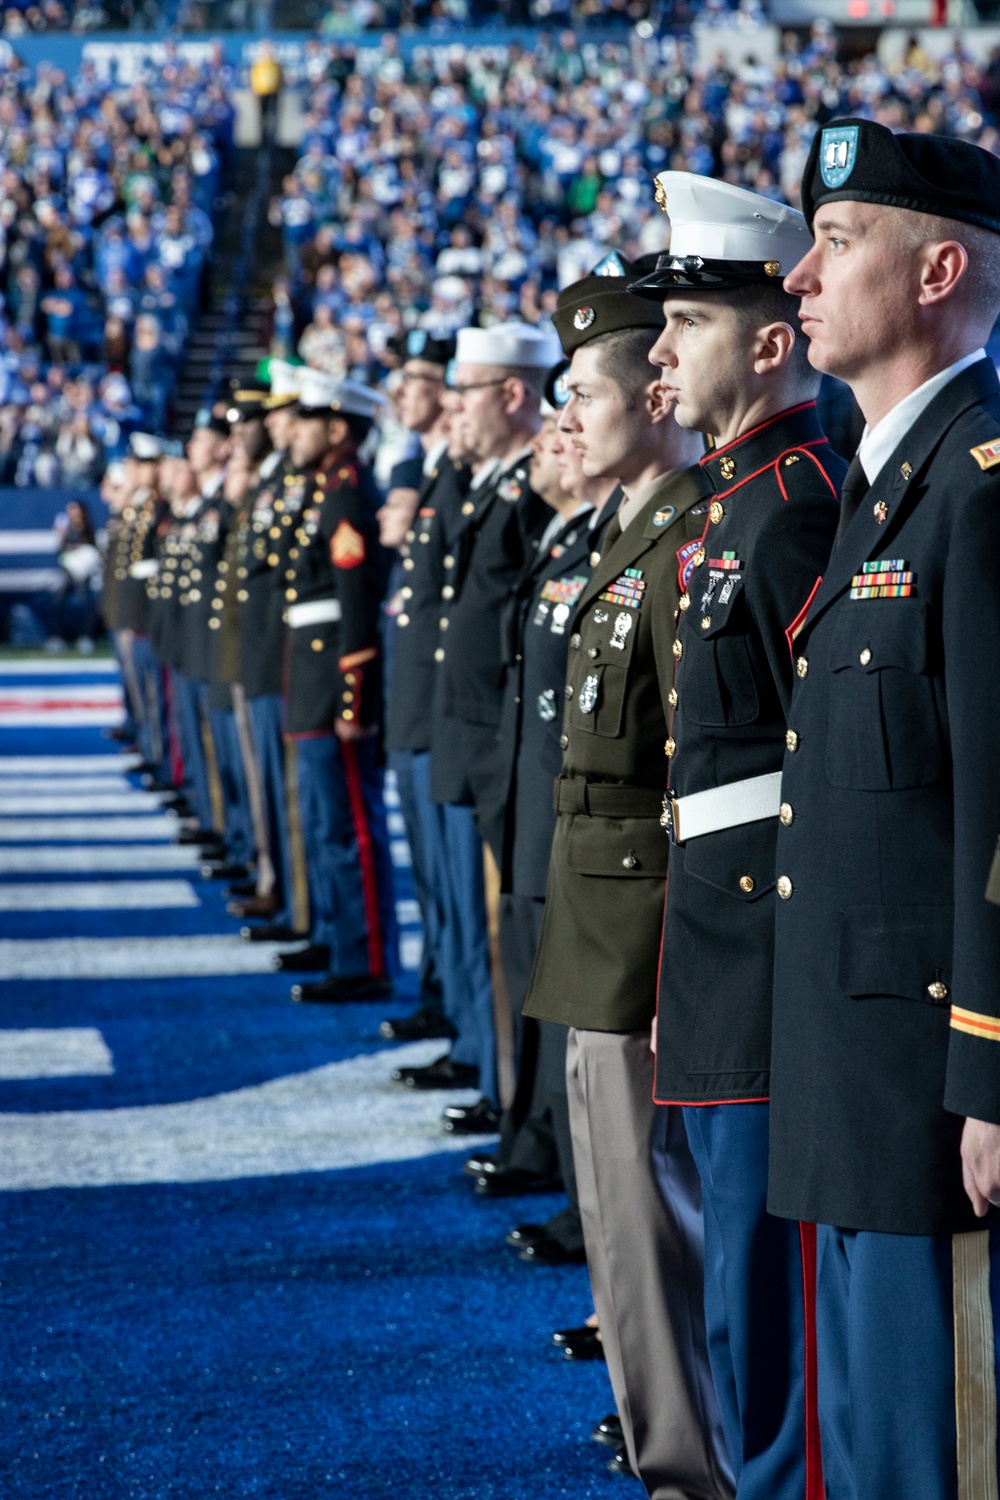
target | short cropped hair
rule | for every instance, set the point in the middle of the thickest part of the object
(624, 358)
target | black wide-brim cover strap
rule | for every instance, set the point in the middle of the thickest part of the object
(858, 161)
(675, 272)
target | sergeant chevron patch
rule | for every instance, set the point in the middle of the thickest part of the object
(347, 546)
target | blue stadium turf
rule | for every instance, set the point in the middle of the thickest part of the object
(359, 1334)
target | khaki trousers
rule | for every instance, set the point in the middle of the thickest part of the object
(640, 1200)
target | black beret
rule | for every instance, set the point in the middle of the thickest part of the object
(857, 161)
(600, 303)
(417, 343)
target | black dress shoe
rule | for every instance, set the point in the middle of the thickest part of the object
(272, 932)
(340, 988)
(609, 1431)
(119, 735)
(203, 836)
(513, 1183)
(222, 870)
(620, 1463)
(588, 1346)
(442, 1074)
(568, 1335)
(549, 1252)
(477, 1119)
(423, 1025)
(479, 1164)
(312, 959)
(523, 1235)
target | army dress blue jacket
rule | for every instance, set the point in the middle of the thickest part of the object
(770, 527)
(887, 977)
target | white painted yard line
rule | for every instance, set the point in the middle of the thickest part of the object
(97, 895)
(66, 765)
(129, 801)
(65, 1052)
(76, 830)
(124, 958)
(20, 543)
(94, 859)
(61, 666)
(68, 692)
(61, 718)
(345, 1114)
(78, 786)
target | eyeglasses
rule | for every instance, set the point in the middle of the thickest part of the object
(478, 385)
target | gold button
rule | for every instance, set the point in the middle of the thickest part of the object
(195, 594)
(595, 558)
(293, 553)
(574, 642)
(348, 697)
(747, 884)
(678, 650)
(348, 714)
(865, 656)
(286, 520)
(402, 621)
(467, 510)
(715, 512)
(685, 601)
(449, 561)
(593, 652)
(274, 532)
(802, 666)
(563, 741)
(699, 557)
(316, 645)
(727, 468)
(410, 535)
(242, 596)
(447, 592)
(223, 567)
(409, 564)
(241, 572)
(630, 861)
(425, 536)
(291, 593)
(279, 505)
(289, 574)
(937, 990)
(406, 593)
(784, 887)
(672, 697)
(218, 604)
(439, 654)
(195, 575)
(568, 691)
(785, 814)
(442, 624)
(214, 624)
(350, 678)
(706, 623)
(791, 740)
(273, 559)
(669, 747)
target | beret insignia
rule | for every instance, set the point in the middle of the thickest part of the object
(347, 546)
(583, 317)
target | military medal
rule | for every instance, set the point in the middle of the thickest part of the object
(889, 579)
(619, 634)
(601, 617)
(546, 705)
(588, 694)
(559, 617)
(628, 589)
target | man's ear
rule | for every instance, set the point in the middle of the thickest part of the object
(942, 268)
(515, 394)
(773, 347)
(659, 403)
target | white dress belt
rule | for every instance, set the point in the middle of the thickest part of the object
(730, 806)
(318, 612)
(148, 567)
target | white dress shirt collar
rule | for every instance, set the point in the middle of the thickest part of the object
(880, 442)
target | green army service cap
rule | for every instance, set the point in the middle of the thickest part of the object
(600, 303)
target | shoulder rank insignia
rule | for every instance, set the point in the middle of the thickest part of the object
(987, 455)
(347, 546)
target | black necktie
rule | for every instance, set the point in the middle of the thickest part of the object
(853, 491)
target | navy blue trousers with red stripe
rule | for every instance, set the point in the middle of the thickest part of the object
(758, 1272)
(347, 854)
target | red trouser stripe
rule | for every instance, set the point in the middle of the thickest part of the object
(366, 856)
(814, 1456)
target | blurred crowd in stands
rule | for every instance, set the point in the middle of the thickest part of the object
(456, 184)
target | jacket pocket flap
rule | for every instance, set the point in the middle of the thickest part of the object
(739, 861)
(874, 633)
(622, 847)
(904, 951)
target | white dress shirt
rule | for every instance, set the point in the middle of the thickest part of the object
(880, 442)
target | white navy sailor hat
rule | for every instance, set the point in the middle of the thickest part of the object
(285, 380)
(722, 236)
(145, 447)
(321, 394)
(519, 345)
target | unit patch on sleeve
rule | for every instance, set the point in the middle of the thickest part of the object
(628, 589)
(347, 546)
(888, 579)
(685, 558)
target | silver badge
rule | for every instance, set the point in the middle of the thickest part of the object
(727, 588)
(619, 635)
(559, 617)
(601, 617)
(547, 705)
(583, 317)
(708, 597)
(541, 613)
(588, 694)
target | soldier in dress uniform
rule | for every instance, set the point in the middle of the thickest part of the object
(599, 947)
(117, 492)
(535, 1151)
(263, 541)
(499, 380)
(412, 613)
(886, 1066)
(141, 568)
(335, 582)
(735, 367)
